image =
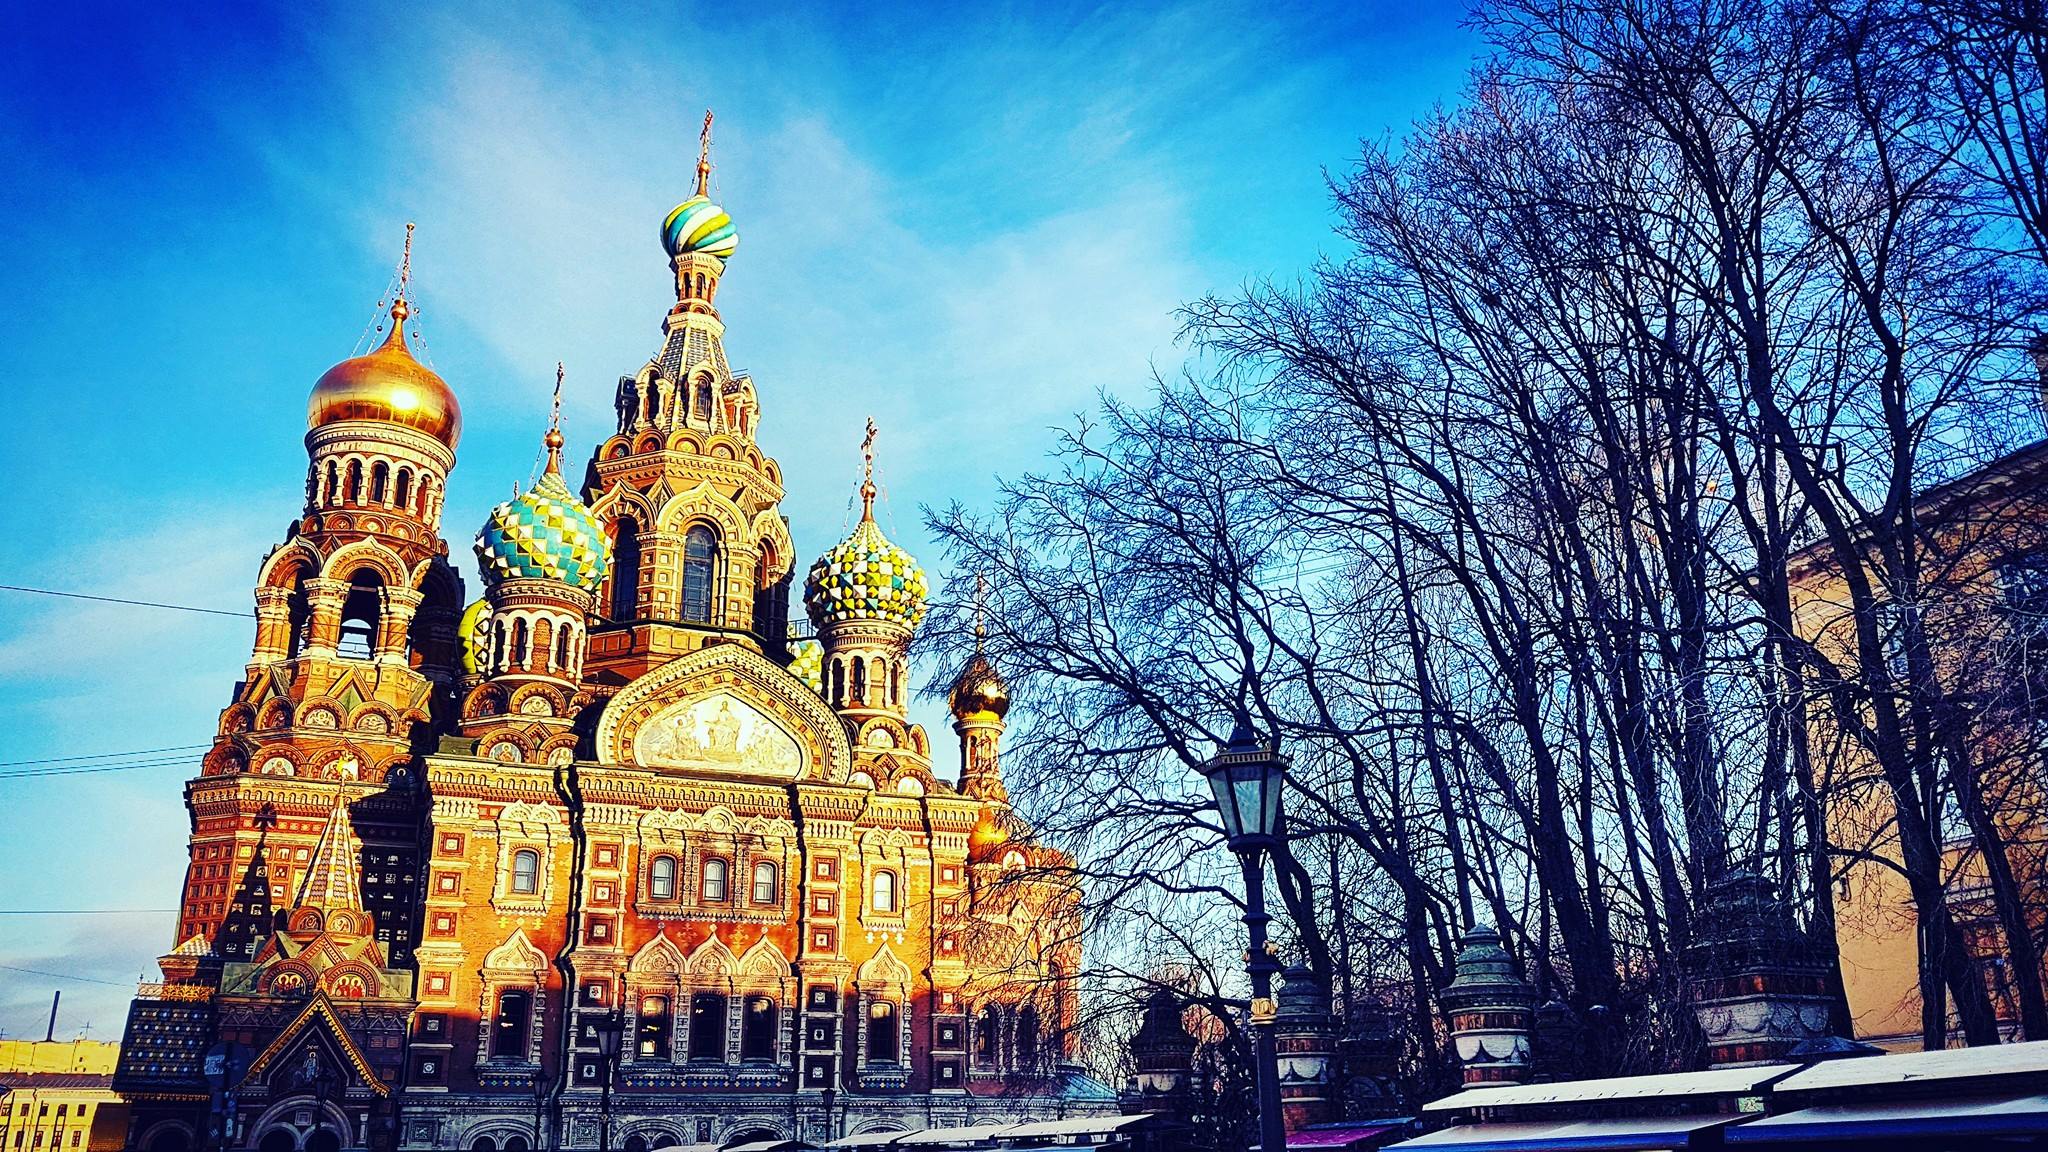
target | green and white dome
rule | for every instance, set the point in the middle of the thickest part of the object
(864, 577)
(544, 533)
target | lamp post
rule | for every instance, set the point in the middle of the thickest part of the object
(1247, 777)
(608, 1033)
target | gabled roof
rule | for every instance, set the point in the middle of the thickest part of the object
(331, 879)
(319, 1008)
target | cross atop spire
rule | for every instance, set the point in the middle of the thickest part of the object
(980, 610)
(704, 157)
(867, 464)
(554, 437)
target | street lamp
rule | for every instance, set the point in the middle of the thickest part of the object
(609, 1030)
(1247, 777)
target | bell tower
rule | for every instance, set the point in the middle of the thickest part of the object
(688, 501)
(354, 653)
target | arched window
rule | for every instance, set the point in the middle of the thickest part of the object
(988, 1031)
(650, 401)
(700, 393)
(771, 605)
(333, 484)
(700, 573)
(298, 616)
(764, 883)
(661, 878)
(625, 568)
(278, 1140)
(839, 684)
(509, 1030)
(355, 482)
(518, 642)
(484, 1144)
(562, 650)
(884, 898)
(883, 1041)
(654, 1031)
(380, 481)
(758, 1030)
(361, 612)
(402, 495)
(1027, 1037)
(515, 1143)
(526, 872)
(860, 683)
(498, 644)
(426, 489)
(323, 1139)
(716, 880)
(707, 1027)
(889, 678)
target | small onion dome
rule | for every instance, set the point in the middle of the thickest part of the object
(473, 632)
(807, 663)
(989, 835)
(387, 385)
(980, 690)
(864, 577)
(543, 533)
(698, 225)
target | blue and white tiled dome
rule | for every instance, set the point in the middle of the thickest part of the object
(544, 533)
(864, 577)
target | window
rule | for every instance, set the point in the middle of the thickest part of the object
(764, 883)
(715, 877)
(360, 614)
(860, 682)
(757, 1030)
(402, 495)
(1027, 1037)
(625, 568)
(653, 1034)
(380, 481)
(700, 563)
(509, 1030)
(526, 872)
(707, 1027)
(700, 390)
(882, 1033)
(884, 897)
(661, 878)
(987, 1028)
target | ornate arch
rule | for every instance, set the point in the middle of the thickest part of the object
(712, 961)
(733, 669)
(659, 958)
(371, 554)
(883, 971)
(703, 502)
(290, 554)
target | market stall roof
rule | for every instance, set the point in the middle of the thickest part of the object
(1713, 1082)
(1921, 1067)
(1984, 1116)
(869, 1139)
(950, 1136)
(1078, 1126)
(1633, 1134)
(1337, 1137)
(776, 1145)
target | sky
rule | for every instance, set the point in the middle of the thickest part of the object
(966, 221)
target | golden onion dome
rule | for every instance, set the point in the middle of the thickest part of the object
(990, 833)
(389, 386)
(980, 689)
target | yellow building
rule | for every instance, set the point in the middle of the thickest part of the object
(81, 1055)
(1982, 594)
(67, 1111)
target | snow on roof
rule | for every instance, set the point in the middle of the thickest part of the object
(1079, 1126)
(1920, 1067)
(1713, 1082)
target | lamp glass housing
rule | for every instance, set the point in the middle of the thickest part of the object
(1247, 780)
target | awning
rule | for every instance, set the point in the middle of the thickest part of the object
(1636, 1134)
(1664, 1086)
(1984, 1116)
(1341, 1136)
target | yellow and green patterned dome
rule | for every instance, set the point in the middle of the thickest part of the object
(864, 577)
(544, 533)
(698, 225)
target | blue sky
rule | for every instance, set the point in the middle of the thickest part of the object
(963, 220)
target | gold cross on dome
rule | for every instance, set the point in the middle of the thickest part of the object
(704, 157)
(867, 464)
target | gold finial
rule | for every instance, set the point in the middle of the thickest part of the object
(867, 464)
(400, 308)
(405, 262)
(554, 437)
(704, 157)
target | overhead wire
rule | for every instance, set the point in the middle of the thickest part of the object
(124, 600)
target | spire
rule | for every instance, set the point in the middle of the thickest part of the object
(867, 465)
(553, 439)
(704, 157)
(331, 879)
(980, 607)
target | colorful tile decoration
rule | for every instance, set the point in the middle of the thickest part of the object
(544, 533)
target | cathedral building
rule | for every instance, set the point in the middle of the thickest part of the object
(603, 858)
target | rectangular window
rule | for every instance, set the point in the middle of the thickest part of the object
(707, 1027)
(509, 1031)
(654, 1031)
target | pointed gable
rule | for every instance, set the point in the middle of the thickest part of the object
(317, 1018)
(330, 883)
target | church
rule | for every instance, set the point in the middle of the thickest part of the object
(607, 857)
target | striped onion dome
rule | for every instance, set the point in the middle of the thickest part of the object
(698, 225)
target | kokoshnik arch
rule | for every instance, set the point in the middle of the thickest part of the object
(433, 846)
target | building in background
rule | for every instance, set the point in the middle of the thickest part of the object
(1983, 597)
(61, 1112)
(79, 1055)
(437, 849)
